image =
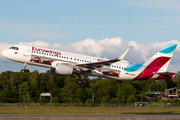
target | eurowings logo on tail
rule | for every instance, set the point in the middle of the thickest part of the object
(158, 63)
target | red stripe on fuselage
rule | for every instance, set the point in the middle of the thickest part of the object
(152, 68)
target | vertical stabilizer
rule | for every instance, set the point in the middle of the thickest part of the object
(158, 63)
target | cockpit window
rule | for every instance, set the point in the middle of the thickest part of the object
(14, 48)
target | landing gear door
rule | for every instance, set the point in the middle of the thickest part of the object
(27, 51)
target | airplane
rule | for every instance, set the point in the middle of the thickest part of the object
(66, 63)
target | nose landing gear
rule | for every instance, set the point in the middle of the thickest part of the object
(22, 71)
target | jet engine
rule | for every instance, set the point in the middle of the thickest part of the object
(62, 69)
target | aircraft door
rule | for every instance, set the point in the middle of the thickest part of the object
(27, 51)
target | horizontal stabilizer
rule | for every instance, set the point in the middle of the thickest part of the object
(165, 73)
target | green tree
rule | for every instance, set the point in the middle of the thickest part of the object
(125, 93)
(24, 88)
(176, 80)
(105, 90)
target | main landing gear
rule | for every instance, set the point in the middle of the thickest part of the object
(84, 81)
(22, 71)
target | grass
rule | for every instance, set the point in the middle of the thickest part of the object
(85, 110)
(93, 119)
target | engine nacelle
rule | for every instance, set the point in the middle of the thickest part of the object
(62, 69)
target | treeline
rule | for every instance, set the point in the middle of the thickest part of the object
(26, 88)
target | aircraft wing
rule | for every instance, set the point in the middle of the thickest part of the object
(103, 63)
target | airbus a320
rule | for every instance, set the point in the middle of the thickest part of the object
(66, 63)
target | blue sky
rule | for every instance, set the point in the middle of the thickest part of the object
(70, 22)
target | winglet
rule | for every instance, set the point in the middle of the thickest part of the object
(122, 55)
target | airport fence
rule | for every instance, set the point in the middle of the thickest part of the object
(89, 105)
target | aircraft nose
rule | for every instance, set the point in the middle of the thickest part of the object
(7, 54)
(4, 53)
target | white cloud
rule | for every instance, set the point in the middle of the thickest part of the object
(141, 53)
(158, 4)
(110, 48)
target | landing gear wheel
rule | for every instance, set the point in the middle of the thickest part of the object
(84, 81)
(22, 71)
(79, 82)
